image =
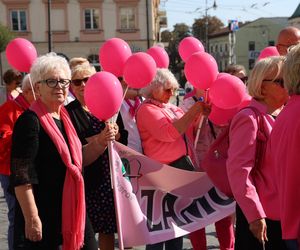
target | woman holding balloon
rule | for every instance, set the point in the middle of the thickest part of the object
(99, 194)
(46, 164)
(166, 132)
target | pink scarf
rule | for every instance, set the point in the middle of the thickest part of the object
(21, 101)
(73, 201)
(133, 108)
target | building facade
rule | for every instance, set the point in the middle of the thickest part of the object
(80, 27)
(244, 45)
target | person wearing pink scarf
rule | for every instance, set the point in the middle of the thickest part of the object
(46, 164)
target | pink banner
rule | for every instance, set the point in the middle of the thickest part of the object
(156, 202)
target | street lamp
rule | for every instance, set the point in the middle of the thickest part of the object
(49, 27)
(214, 6)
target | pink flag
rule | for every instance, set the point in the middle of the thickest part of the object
(155, 202)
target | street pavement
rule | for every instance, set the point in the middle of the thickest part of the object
(210, 232)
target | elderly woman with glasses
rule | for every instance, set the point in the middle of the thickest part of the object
(256, 225)
(283, 149)
(99, 194)
(166, 131)
(46, 163)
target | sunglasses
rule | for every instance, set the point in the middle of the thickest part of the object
(78, 82)
(52, 83)
(279, 82)
(244, 79)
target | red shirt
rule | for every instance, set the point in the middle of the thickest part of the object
(9, 113)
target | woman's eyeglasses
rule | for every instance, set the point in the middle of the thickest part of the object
(279, 81)
(52, 83)
(78, 82)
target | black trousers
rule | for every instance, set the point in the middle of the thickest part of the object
(174, 244)
(245, 240)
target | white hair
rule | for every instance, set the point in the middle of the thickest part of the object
(47, 64)
(163, 78)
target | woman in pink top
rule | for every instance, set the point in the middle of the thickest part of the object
(254, 227)
(162, 127)
(283, 146)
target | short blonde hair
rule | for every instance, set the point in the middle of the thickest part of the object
(291, 71)
(83, 69)
(77, 61)
(260, 71)
(163, 78)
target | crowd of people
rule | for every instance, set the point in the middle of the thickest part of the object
(55, 166)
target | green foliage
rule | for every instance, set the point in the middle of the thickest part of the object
(199, 27)
(174, 37)
(5, 36)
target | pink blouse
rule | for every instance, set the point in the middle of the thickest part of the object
(283, 150)
(248, 187)
(160, 139)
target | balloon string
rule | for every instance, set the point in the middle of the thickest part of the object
(114, 118)
(201, 120)
(31, 85)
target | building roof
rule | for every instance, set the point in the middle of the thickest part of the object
(296, 13)
(283, 21)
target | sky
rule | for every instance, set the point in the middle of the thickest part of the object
(185, 11)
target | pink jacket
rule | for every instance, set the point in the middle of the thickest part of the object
(247, 187)
(284, 150)
(160, 139)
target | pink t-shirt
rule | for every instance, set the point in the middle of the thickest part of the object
(160, 139)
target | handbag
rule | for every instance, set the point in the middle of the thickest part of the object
(214, 162)
(184, 162)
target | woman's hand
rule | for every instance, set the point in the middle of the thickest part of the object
(33, 228)
(259, 229)
(107, 134)
(201, 107)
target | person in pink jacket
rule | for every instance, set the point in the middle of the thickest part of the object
(162, 127)
(283, 146)
(248, 180)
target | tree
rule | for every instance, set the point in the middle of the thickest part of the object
(5, 36)
(198, 27)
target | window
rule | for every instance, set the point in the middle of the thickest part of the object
(271, 43)
(94, 60)
(226, 48)
(251, 63)
(91, 19)
(18, 20)
(57, 19)
(127, 18)
(251, 45)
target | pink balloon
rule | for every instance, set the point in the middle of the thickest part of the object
(20, 54)
(188, 46)
(139, 70)
(267, 52)
(113, 54)
(222, 117)
(103, 95)
(221, 75)
(201, 70)
(160, 56)
(227, 92)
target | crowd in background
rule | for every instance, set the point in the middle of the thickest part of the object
(54, 162)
